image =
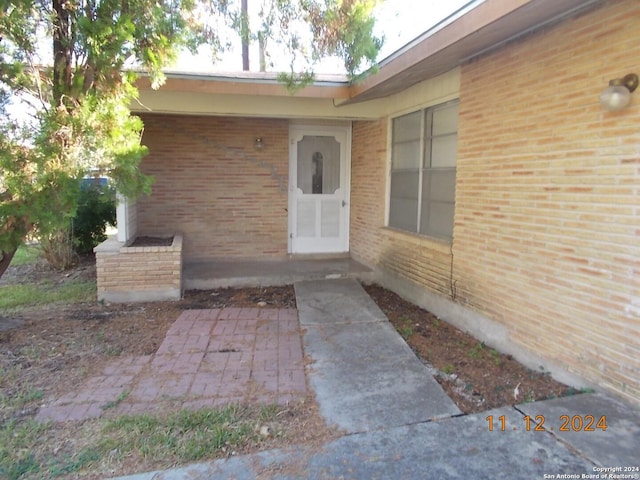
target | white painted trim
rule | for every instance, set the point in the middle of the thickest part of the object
(122, 217)
(387, 187)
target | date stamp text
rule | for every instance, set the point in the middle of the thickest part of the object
(539, 423)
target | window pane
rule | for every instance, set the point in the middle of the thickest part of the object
(406, 127)
(437, 160)
(403, 207)
(442, 185)
(443, 151)
(445, 120)
(437, 220)
(406, 155)
(438, 201)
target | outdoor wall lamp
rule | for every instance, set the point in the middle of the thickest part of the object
(618, 94)
(258, 143)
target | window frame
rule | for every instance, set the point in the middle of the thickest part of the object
(422, 171)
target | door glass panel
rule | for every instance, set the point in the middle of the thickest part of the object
(318, 164)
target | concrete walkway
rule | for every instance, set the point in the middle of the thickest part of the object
(364, 375)
(400, 425)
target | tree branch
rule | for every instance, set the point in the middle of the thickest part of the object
(5, 260)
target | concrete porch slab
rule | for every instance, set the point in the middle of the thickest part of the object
(206, 275)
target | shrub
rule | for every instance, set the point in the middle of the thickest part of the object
(57, 249)
(96, 210)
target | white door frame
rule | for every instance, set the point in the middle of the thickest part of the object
(343, 135)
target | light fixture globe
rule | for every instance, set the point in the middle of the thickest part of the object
(617, 95)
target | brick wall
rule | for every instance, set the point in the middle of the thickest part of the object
(547, 235)
(420, 259)
(368, 174)
(228, 198)
(547, 222)
(139, 274)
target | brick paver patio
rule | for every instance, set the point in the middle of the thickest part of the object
(208, 358)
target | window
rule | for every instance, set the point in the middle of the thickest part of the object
(423, 171)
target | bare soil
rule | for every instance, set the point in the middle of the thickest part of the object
(53, 349)
(48, 351)
(152, 242)
(57, 345)
(474, 375)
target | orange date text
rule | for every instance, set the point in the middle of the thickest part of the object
(539, 423)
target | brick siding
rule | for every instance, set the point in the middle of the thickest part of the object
(368, 173)
(546, 236)
(227, 197)
(132, 274)
(547, 220)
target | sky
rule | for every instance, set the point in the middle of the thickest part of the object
(398, 21)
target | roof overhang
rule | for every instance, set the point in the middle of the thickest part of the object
(477, 28)
(472, 31)
(249, 83)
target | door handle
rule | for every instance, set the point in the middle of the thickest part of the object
(344, 203)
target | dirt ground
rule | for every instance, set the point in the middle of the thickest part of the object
(48, 351)
(474, 375)
(53, 349)
(57, 345)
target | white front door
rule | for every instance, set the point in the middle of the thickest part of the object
(319, 189)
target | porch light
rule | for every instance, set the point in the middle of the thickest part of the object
(618, 94)
(258, 143)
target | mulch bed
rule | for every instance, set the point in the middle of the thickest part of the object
(144, 241)
(474, 375)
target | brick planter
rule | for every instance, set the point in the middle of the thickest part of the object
(139, 274)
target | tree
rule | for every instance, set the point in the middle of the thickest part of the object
(77, 85)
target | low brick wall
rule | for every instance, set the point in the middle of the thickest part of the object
(139, 274)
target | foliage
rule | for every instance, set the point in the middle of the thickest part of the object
(19, 296)
(31, 449)
(338, 28)
(57, 248)
(96, 210)
(72, 66)
(186, 435)
(344, 28)
(26, 255)
(17, 459)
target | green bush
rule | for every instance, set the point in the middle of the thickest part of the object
(96, 210)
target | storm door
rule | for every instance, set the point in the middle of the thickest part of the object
(318, 190)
